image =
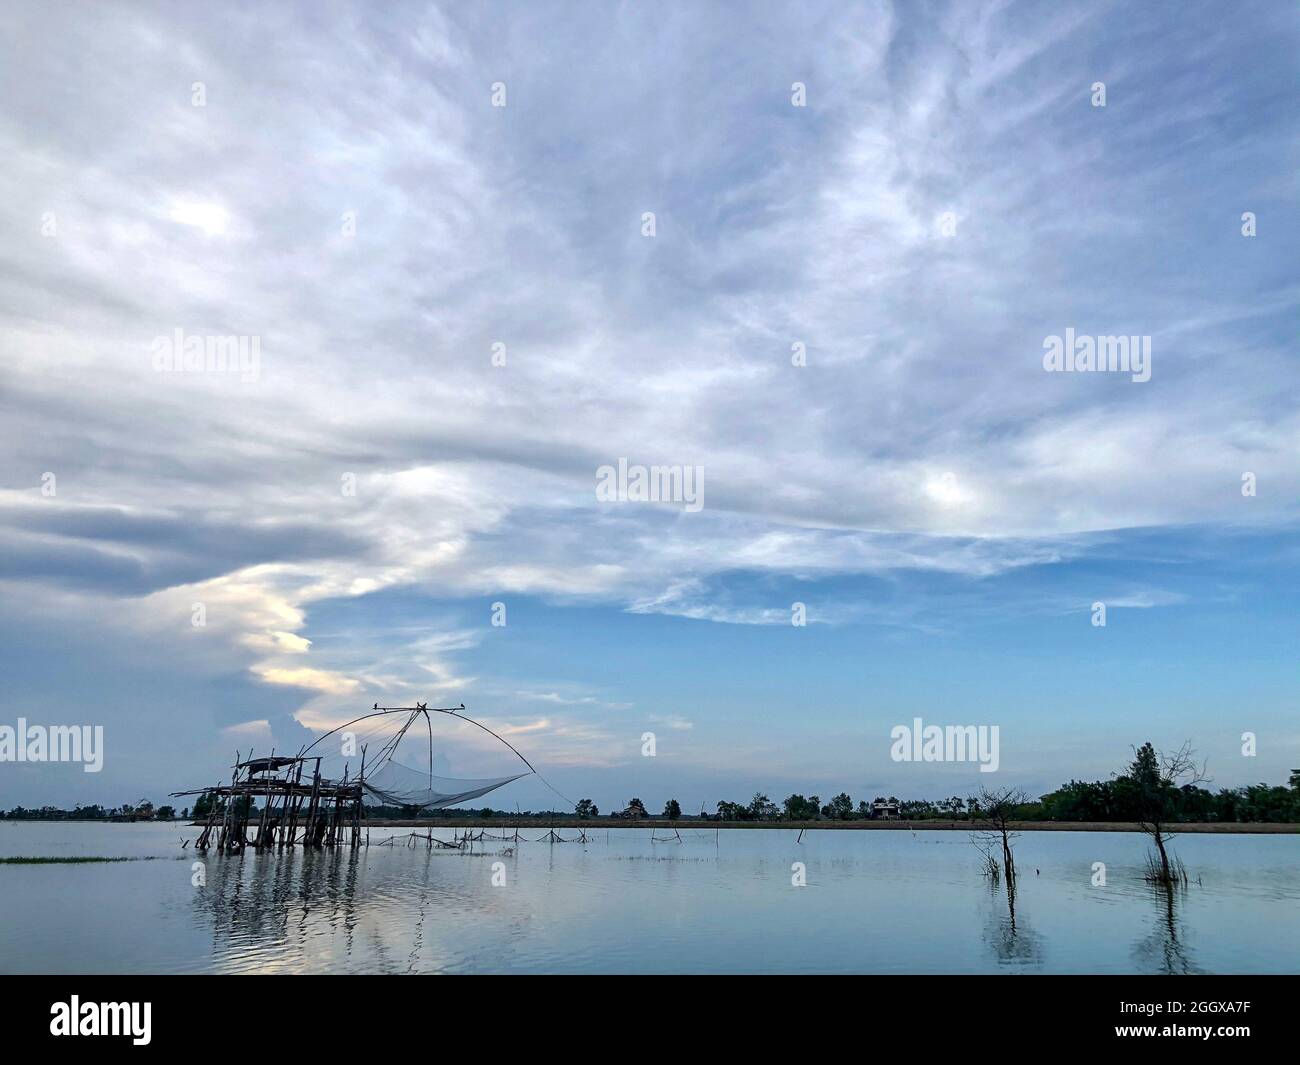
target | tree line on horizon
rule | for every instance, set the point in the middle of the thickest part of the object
(144, 810)
(1122, 798)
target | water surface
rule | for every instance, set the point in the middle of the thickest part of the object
(875, 902)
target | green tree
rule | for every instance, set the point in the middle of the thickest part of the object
(839, 808)
(1151, 790)
(797, 808)
(992, 830)
(672, 811)
(733, 811)
(586, 808)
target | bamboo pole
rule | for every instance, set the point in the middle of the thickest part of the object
(260, 839)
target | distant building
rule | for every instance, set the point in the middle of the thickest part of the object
(884, 810)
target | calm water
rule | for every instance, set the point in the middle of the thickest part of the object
(874, 902)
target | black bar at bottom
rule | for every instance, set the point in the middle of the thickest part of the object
(345, 1012)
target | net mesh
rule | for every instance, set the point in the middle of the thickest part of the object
(382, 750)
(394, 784)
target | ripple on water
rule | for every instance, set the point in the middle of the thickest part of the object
(873, 902)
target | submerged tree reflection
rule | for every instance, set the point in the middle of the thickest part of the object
(1013, 942)
(1165, 949)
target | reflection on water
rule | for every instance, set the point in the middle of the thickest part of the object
(283, 902)
(1165, 949)
(626, 902)
(1012, 940)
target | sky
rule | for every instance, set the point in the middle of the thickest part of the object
(811, 253)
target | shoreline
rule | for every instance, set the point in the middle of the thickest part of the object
(1241, 828)
(1204, 827)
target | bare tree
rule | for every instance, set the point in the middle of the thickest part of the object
(1152, 788)
(992, 813)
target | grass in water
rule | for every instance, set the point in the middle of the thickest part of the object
(72, 861)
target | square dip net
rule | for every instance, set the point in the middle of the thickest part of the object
(398, 756)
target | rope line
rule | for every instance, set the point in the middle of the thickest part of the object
(453, 711)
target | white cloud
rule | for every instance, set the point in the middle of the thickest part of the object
(921, 436)
(212, 218)
(320, 680)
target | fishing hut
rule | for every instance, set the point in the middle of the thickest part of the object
(317, 798)
(297, 805)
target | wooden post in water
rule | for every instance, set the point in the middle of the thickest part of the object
(259, 840)
(311, 834)
(292, 805)
(223, 840)
(361, 796)
(205, 836)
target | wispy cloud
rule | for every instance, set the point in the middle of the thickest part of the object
(357, 204)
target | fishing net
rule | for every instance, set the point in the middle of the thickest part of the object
(382, 750)
(394, 784)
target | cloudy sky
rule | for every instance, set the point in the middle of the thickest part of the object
(339, 183)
